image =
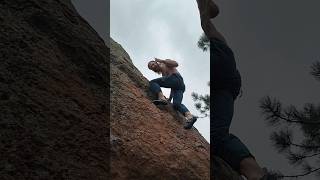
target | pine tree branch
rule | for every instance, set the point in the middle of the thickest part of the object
(293, 121)
(295, 158)
(312, 155)
(304, 146)
(296, 121)
(204, 42)
(273, 110)
(316, 70)
(300, 175)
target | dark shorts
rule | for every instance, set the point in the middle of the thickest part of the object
(224, 73)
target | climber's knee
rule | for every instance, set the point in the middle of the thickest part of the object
(151, 83)
(154, 87)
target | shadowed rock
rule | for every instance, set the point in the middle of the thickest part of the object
(53, 74)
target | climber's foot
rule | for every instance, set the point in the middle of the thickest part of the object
(190, 122)
(160, 102)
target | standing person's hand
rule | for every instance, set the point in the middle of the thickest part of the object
(213, 9)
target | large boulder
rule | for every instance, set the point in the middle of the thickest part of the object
(53, 93)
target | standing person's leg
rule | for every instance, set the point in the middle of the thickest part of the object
(227, 82)
(225, 145)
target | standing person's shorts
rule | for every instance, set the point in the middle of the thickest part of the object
(224, 73)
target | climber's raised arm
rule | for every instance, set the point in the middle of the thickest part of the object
(168, 62)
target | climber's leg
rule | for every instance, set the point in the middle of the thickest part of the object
(156, 84)
(155, 87)
(167, 82)
(177, 96)
(177, 104)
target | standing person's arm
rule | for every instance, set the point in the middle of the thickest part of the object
(209, 10)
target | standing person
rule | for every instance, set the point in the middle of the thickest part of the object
(226, 83)
(171, 78)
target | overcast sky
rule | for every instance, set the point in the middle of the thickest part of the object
(275, 42)
(97, 13)
(148, 29)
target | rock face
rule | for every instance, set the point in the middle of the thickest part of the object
(148, 142)
(53, 74)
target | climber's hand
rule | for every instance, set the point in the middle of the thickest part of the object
(158, 60)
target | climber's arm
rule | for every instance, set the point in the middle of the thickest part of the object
(168, 62)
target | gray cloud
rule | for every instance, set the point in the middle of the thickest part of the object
(96, 13)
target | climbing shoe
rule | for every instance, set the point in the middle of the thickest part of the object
(190, 122)
(160, 102)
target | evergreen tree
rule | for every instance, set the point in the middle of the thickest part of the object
(204, 42)
(202, 102)
(304, 123)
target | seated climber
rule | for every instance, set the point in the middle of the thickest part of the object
(171, 78)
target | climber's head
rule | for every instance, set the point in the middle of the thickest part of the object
(154, 66)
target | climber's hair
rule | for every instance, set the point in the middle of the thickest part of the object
(149, 64)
